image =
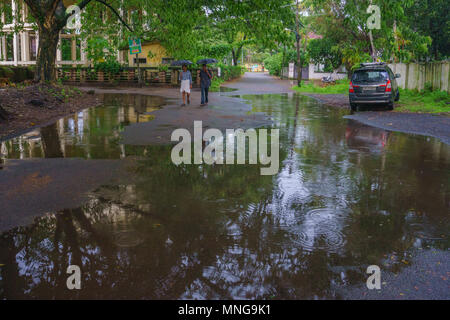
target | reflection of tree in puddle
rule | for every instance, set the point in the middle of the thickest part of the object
(227, 232)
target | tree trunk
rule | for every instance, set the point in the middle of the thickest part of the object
(46, 57)
(3, 114)
(50, 142)
(299, 64)
(372, 47)
(233, 53)
(51, 17)
(298, 39)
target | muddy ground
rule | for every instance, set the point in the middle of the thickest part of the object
(36, 105)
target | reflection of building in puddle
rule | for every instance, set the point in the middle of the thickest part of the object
(91, 133)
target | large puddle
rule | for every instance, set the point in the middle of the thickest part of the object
(346, 196)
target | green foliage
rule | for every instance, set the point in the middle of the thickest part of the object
(230, 72)
(170, 22)
(17, 74)
(274, 63)
(213, 50)
(238, 24)
(227, 73)
(345, 26)
(215, 84)
(324, 51)
(99, 49)
(109, 66)
(432, 18)
(163, 68)
(341, 87)
(6, 72)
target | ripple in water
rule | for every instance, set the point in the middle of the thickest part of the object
(320, 229)
(127, 238)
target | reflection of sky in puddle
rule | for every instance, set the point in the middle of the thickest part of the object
(346, 196)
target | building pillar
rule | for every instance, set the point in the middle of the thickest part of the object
(37, 42)
(58, 51)
(25, 46)
(15, 37)
(16, 48)
(2, 56)
(73, 50)
(4, 48)
(83, 51)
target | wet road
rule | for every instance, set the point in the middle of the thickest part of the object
(347, 196)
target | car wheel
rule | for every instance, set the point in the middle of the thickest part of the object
(390, 106)
(353, 107)
(397, 97)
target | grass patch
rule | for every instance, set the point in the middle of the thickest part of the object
(341, 87)
(215, 84)
(423, 102)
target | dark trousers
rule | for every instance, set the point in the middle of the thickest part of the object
(205, 91)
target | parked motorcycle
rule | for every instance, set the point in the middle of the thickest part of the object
(328, 80)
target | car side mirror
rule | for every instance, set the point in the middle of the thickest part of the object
(398, 75)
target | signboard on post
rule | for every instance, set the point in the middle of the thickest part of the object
(135, 45)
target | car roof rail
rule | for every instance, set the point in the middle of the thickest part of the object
(373, 64)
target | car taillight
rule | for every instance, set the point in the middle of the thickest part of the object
(388, 86)
(351, 89)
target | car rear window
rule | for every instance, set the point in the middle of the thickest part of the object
(370, 76)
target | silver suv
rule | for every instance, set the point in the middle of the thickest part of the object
(373, 83)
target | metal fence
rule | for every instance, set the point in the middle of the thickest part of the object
(128, 75)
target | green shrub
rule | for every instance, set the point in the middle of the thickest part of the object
(111, 66)
(428, 87)
(17, 74)
(230, 72)
(6, 72)
(274, 63)
(163, 68)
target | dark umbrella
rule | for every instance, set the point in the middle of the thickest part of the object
(206, 61)
(181, 62)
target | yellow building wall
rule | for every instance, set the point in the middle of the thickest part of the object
(157, 53)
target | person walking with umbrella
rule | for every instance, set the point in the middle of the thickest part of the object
(186, 84)
(205, 82)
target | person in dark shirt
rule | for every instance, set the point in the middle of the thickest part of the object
(205, 82)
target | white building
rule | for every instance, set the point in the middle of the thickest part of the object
(20, 49)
